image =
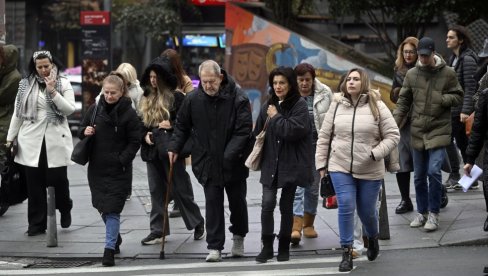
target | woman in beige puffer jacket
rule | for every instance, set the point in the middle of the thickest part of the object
(363, 133)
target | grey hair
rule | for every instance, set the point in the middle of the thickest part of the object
(209, 64)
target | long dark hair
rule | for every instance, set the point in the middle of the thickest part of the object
(462, 34)
(176, 65)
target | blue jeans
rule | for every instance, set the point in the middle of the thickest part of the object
(350, 192)
(427, 166)
(306, 199)
(112, 227)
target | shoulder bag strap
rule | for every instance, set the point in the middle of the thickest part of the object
(94, 114)
(331, 135)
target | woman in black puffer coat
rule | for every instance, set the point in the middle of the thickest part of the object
(287, 157)
(115, 143)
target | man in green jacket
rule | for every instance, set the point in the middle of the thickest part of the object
(9, 84)
(430, 88)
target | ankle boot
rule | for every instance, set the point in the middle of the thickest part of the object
(296, 232)
(108, 257)
(373, 248)
(346, 263)
(267, 249)
(308, 229)
(283, 249)
(117, 244)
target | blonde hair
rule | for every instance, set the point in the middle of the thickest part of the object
(117, 79)
(156, 106)
(400, 60)
(365, 89)
(128, 71)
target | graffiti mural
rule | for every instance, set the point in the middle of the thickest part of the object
(256, 46)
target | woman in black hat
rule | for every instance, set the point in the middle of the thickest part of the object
(158, 109)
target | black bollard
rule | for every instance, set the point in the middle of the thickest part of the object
(383, 215)
(52, 231)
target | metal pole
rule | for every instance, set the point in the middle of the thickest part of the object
(52, 231)
(383, 215)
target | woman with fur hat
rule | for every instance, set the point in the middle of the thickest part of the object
(363, 133)
(158, 109)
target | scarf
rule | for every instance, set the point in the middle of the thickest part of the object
(29, 94)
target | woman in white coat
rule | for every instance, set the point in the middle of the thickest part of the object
(43, 101)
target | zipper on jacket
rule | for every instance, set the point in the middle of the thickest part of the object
(352, 133)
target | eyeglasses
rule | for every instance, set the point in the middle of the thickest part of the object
(409, 52)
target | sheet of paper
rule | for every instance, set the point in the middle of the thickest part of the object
(467, 181)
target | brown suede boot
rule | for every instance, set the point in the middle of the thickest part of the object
(308, 229)
(296, 233)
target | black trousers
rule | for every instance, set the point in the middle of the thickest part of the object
(459, 134)
(38, 179)
(286, 209)
(214, 212)
(182, 193)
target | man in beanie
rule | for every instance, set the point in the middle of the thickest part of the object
(430, 89)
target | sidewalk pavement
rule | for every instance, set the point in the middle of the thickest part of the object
(461, 223)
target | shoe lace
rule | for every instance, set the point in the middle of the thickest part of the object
(432, 219)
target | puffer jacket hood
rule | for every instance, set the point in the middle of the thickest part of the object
(11, 57)
(439, 64)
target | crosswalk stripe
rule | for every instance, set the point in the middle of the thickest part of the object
(226, 263)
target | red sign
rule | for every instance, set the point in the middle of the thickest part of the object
(94, 17)
(216, 2)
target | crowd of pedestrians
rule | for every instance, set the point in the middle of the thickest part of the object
(310, 132)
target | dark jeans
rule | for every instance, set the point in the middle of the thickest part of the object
(214, 212)
(458, 134)
(38, 179)
(286, 209)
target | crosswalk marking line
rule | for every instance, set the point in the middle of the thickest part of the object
(287, 272)
(224, 264)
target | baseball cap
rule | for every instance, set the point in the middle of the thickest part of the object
(426, 46)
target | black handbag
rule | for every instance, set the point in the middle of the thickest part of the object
(326, 186)
(82, 150)
(13, 187)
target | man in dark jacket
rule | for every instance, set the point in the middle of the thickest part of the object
(464, 61)
(430, 89)
(9, 84)
(217, 117)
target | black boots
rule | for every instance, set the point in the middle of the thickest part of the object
(284, 248)
(117, 244)
(66, 216)
(405, 206)
(373, 248)
(267, 250)
(346, 263)
(108, 257)
(485, 227)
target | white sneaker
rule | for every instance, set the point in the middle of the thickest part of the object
(214, 256)
(237, 246)
(432, 222)
(419, 221)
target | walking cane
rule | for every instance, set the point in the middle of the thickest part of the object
(166, 200)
